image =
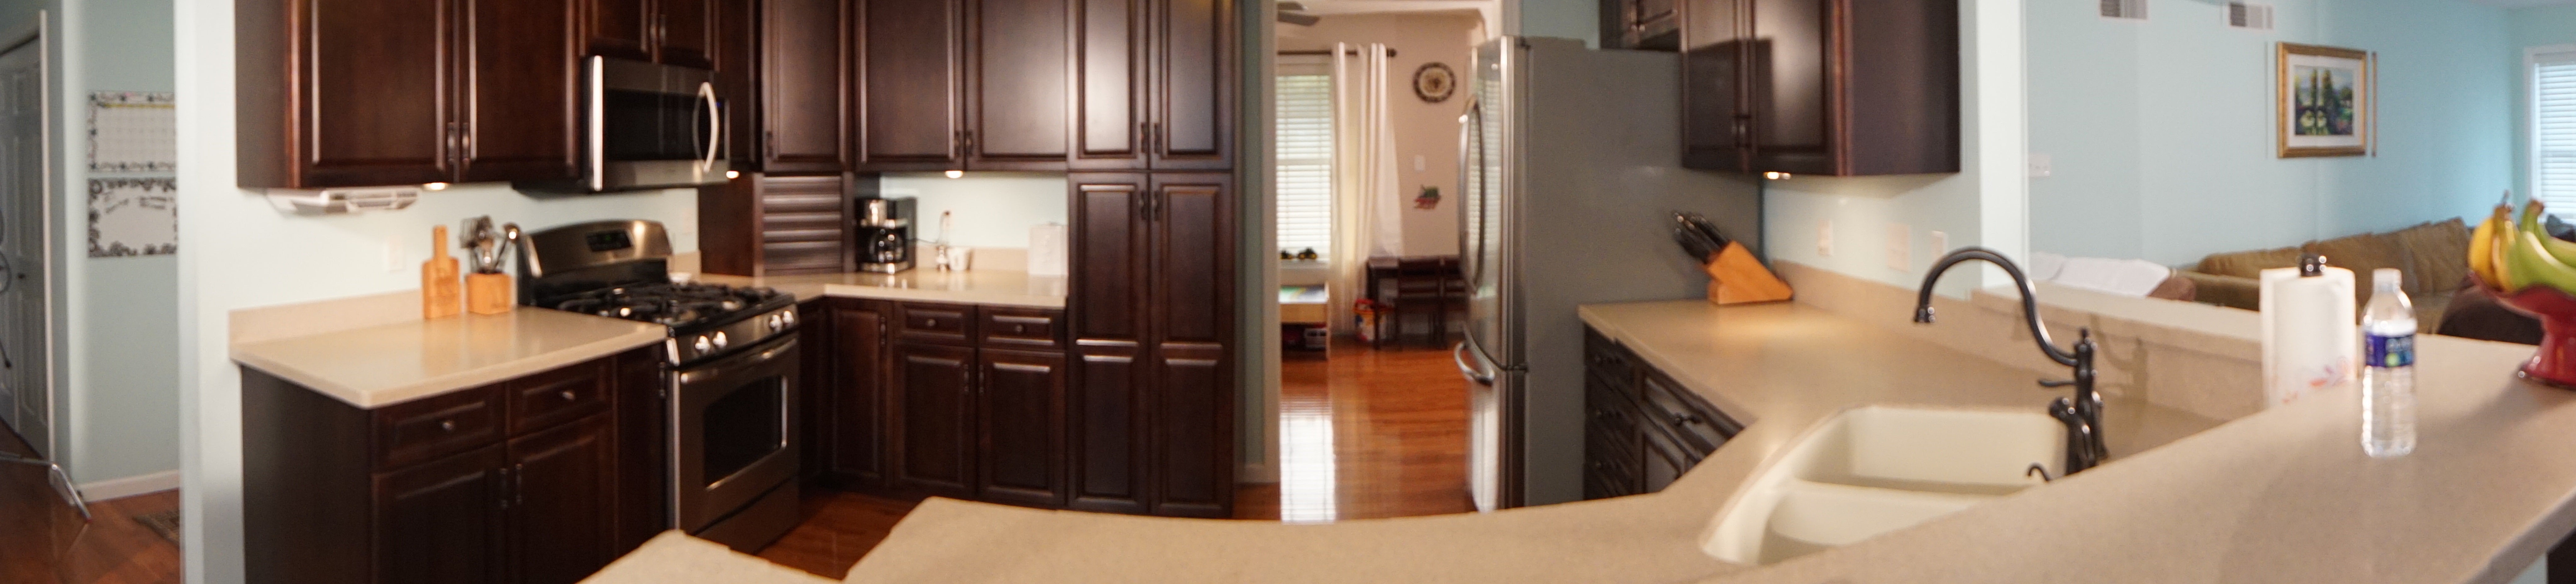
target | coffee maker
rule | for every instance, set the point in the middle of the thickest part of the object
(885, 234)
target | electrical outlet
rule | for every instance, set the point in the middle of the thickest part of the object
(2041, 166)
(393, 254)
(1825, 238)
(1940, 242)
(1900, 247)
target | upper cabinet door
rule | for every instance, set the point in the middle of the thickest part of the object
(685, 33)
(375, 92)
(1796, 84)
(803, 87)
(1110, 84)
(618, 28)
(907, 98)
(1018, 84)
(519, 76)
(1716, 125)
(1193, 73)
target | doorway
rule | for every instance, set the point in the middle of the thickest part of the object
(1372, 417)
(26, 403)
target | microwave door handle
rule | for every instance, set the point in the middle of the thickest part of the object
(715, 128)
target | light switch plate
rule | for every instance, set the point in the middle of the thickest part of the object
(393, 255)
(1825, 238)
(1940, 242)
(1900, 247)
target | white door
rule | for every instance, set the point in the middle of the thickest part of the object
(24, 381)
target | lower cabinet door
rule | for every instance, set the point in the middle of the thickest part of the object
(857, 377)
(442, 522)
(1108, 430)
(932, 416)
(1194, 425)
(1022, 427)
(561, 525)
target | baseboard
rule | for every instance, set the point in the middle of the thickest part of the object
(129, 486)
(1256, 473)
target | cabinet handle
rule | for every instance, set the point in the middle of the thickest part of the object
(567, 395)
(930, 323)
(768, 145)
(447, 425)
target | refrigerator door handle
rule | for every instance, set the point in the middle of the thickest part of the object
(1468, 369)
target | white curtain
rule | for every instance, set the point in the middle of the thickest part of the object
(1366, 211)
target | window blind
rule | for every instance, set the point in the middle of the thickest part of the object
(1305, 143)
(2553, 129)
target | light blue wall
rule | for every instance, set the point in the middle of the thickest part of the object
(2526, 28)
(2160, 137)
(1565, 19)
(993, 209)
(125, 410)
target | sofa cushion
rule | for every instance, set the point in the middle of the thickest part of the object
(2248, 264)
(2438, 254)
(2362, 254)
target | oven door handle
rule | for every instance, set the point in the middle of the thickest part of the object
(737, 364)
(715, 128)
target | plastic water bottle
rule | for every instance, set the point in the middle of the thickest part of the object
(2388, 368)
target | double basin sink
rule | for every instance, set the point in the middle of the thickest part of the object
(1877, 469)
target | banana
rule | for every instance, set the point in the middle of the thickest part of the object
(2503, 238)
(2482, 246)
(2527, 261)
(2563, 250)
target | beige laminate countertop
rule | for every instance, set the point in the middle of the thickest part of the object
(386, 364)
(993, 287)
(1779, 368)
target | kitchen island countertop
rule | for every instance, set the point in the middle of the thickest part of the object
(376, 366)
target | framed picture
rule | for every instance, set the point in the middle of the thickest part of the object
(2328, 101)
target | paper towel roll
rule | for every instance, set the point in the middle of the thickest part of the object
(1047, 250)
(2310, 341)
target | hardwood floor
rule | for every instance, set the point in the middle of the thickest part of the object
(1369, 433)
(111, 549)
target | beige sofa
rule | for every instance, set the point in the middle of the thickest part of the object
(2434, 256)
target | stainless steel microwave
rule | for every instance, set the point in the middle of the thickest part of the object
(647, 126)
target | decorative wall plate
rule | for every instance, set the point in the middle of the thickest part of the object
(1434, 82)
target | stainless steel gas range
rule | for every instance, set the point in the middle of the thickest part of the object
(730, 393)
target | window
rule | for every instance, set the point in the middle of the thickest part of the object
(2553, 126)
(1305, 135)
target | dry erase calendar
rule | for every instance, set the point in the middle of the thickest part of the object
(133, 131)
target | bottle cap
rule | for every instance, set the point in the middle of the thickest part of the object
(2312, 265)
(2386, 277)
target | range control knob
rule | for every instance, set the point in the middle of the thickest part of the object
(777, 321)
(703, 344)
(720, 339)
(788, 317)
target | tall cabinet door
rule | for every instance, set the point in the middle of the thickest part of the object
(934, 417)
(858, 398)
(1022, 427)
(908, 117)
(1193, 71)
(803, 86)
(519, 76)
(562, 530)
(442, 522)
(685, 32)
(1109, 111)
(1717, 125)
(1794, 93)
(1112, 387)
(374, 108)
(1019, 75)
(1192, 280)
(1107, 304)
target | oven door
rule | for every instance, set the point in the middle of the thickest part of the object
(733, 424)
(652, 126)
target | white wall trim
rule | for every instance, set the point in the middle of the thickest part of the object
(130, 486)
(1257, 473)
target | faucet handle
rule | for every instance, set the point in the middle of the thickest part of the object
(2054, 383)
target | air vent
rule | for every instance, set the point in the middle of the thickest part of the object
(2249, 16)
(2125, 9)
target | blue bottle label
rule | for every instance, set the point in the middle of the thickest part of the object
(2384, 351)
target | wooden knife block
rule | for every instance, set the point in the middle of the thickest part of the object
(488, 294)
(1735, 277)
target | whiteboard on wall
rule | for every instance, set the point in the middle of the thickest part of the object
(133, 132)
(133, 217)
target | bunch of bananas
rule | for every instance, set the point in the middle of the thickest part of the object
(2509, 256)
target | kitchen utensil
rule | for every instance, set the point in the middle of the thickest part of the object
(479, 241)
(510, 238)
(438, 284)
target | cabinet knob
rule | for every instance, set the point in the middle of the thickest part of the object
(567, 395)
(447, 425)
(930, 323)
(1019, 328)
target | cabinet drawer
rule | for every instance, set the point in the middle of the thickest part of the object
(425, 429)
(1605, 359)
(554, 397)
(936, 322)
(1022, 327)
(1669, 406)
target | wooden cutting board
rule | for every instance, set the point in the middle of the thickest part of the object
(440, 296)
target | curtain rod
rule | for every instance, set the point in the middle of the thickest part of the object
(1390, 51)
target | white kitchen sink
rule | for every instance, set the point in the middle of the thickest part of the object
(1877, 469)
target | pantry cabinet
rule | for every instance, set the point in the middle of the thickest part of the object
(1154, 85)
(1821, 87)
(1153, 333)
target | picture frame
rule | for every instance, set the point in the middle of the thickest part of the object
(2327, 101)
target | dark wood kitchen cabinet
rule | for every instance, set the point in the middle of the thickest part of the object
(803, 84)
(1643, 25)
(944, 399)
(1020, 395)
(351, 93)
(962, 84)
(1154, 85)
(848, 373)
(1823, 87)
(676, 32)
(531, 480)
(1153, 309)
(1642, 430)
(932, 417)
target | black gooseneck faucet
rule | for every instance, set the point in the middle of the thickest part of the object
(2082, 414)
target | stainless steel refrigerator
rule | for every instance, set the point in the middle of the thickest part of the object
(1571, 170)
